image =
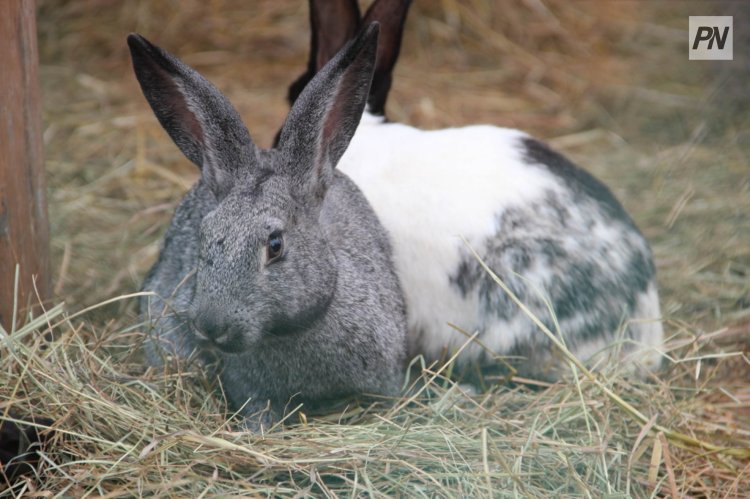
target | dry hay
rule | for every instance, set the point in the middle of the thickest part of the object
(607, 82)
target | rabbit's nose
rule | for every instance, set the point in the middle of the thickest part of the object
(211, 326)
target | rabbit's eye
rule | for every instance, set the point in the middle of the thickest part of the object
(274, 247)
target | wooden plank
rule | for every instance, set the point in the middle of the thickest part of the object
(24, 230)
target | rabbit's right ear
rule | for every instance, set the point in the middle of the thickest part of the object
(332, 24)
(200, 120)
(323, 120)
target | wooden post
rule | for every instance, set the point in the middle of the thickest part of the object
(24, 230)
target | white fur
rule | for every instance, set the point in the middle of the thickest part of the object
(644, 352)
(647, 330)
(429, 189)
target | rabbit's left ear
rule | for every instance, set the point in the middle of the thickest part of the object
(323, 120)
(200, 120)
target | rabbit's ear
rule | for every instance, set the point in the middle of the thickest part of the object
(391, 14)
(200, 120)
(323, 120)
(332, 24)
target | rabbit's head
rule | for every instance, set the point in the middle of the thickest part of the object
(266, 265)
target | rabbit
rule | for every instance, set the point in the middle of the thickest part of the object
(274, 267)
(552, 232)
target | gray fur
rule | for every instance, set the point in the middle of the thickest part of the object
(325, 320)
(592, 283)
(568, 245)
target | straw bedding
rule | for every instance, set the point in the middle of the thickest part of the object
(608, 83)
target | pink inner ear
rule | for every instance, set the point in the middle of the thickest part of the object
(175, 103)
(343, 115)
(332, 126)
(186, 116)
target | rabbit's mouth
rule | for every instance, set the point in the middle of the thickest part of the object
(227, 339)
(230, 342)
(224, 340)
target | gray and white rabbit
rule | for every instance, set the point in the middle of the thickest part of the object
(550, 230)
(274, 262)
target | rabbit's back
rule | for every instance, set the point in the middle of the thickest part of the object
(548, 229)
